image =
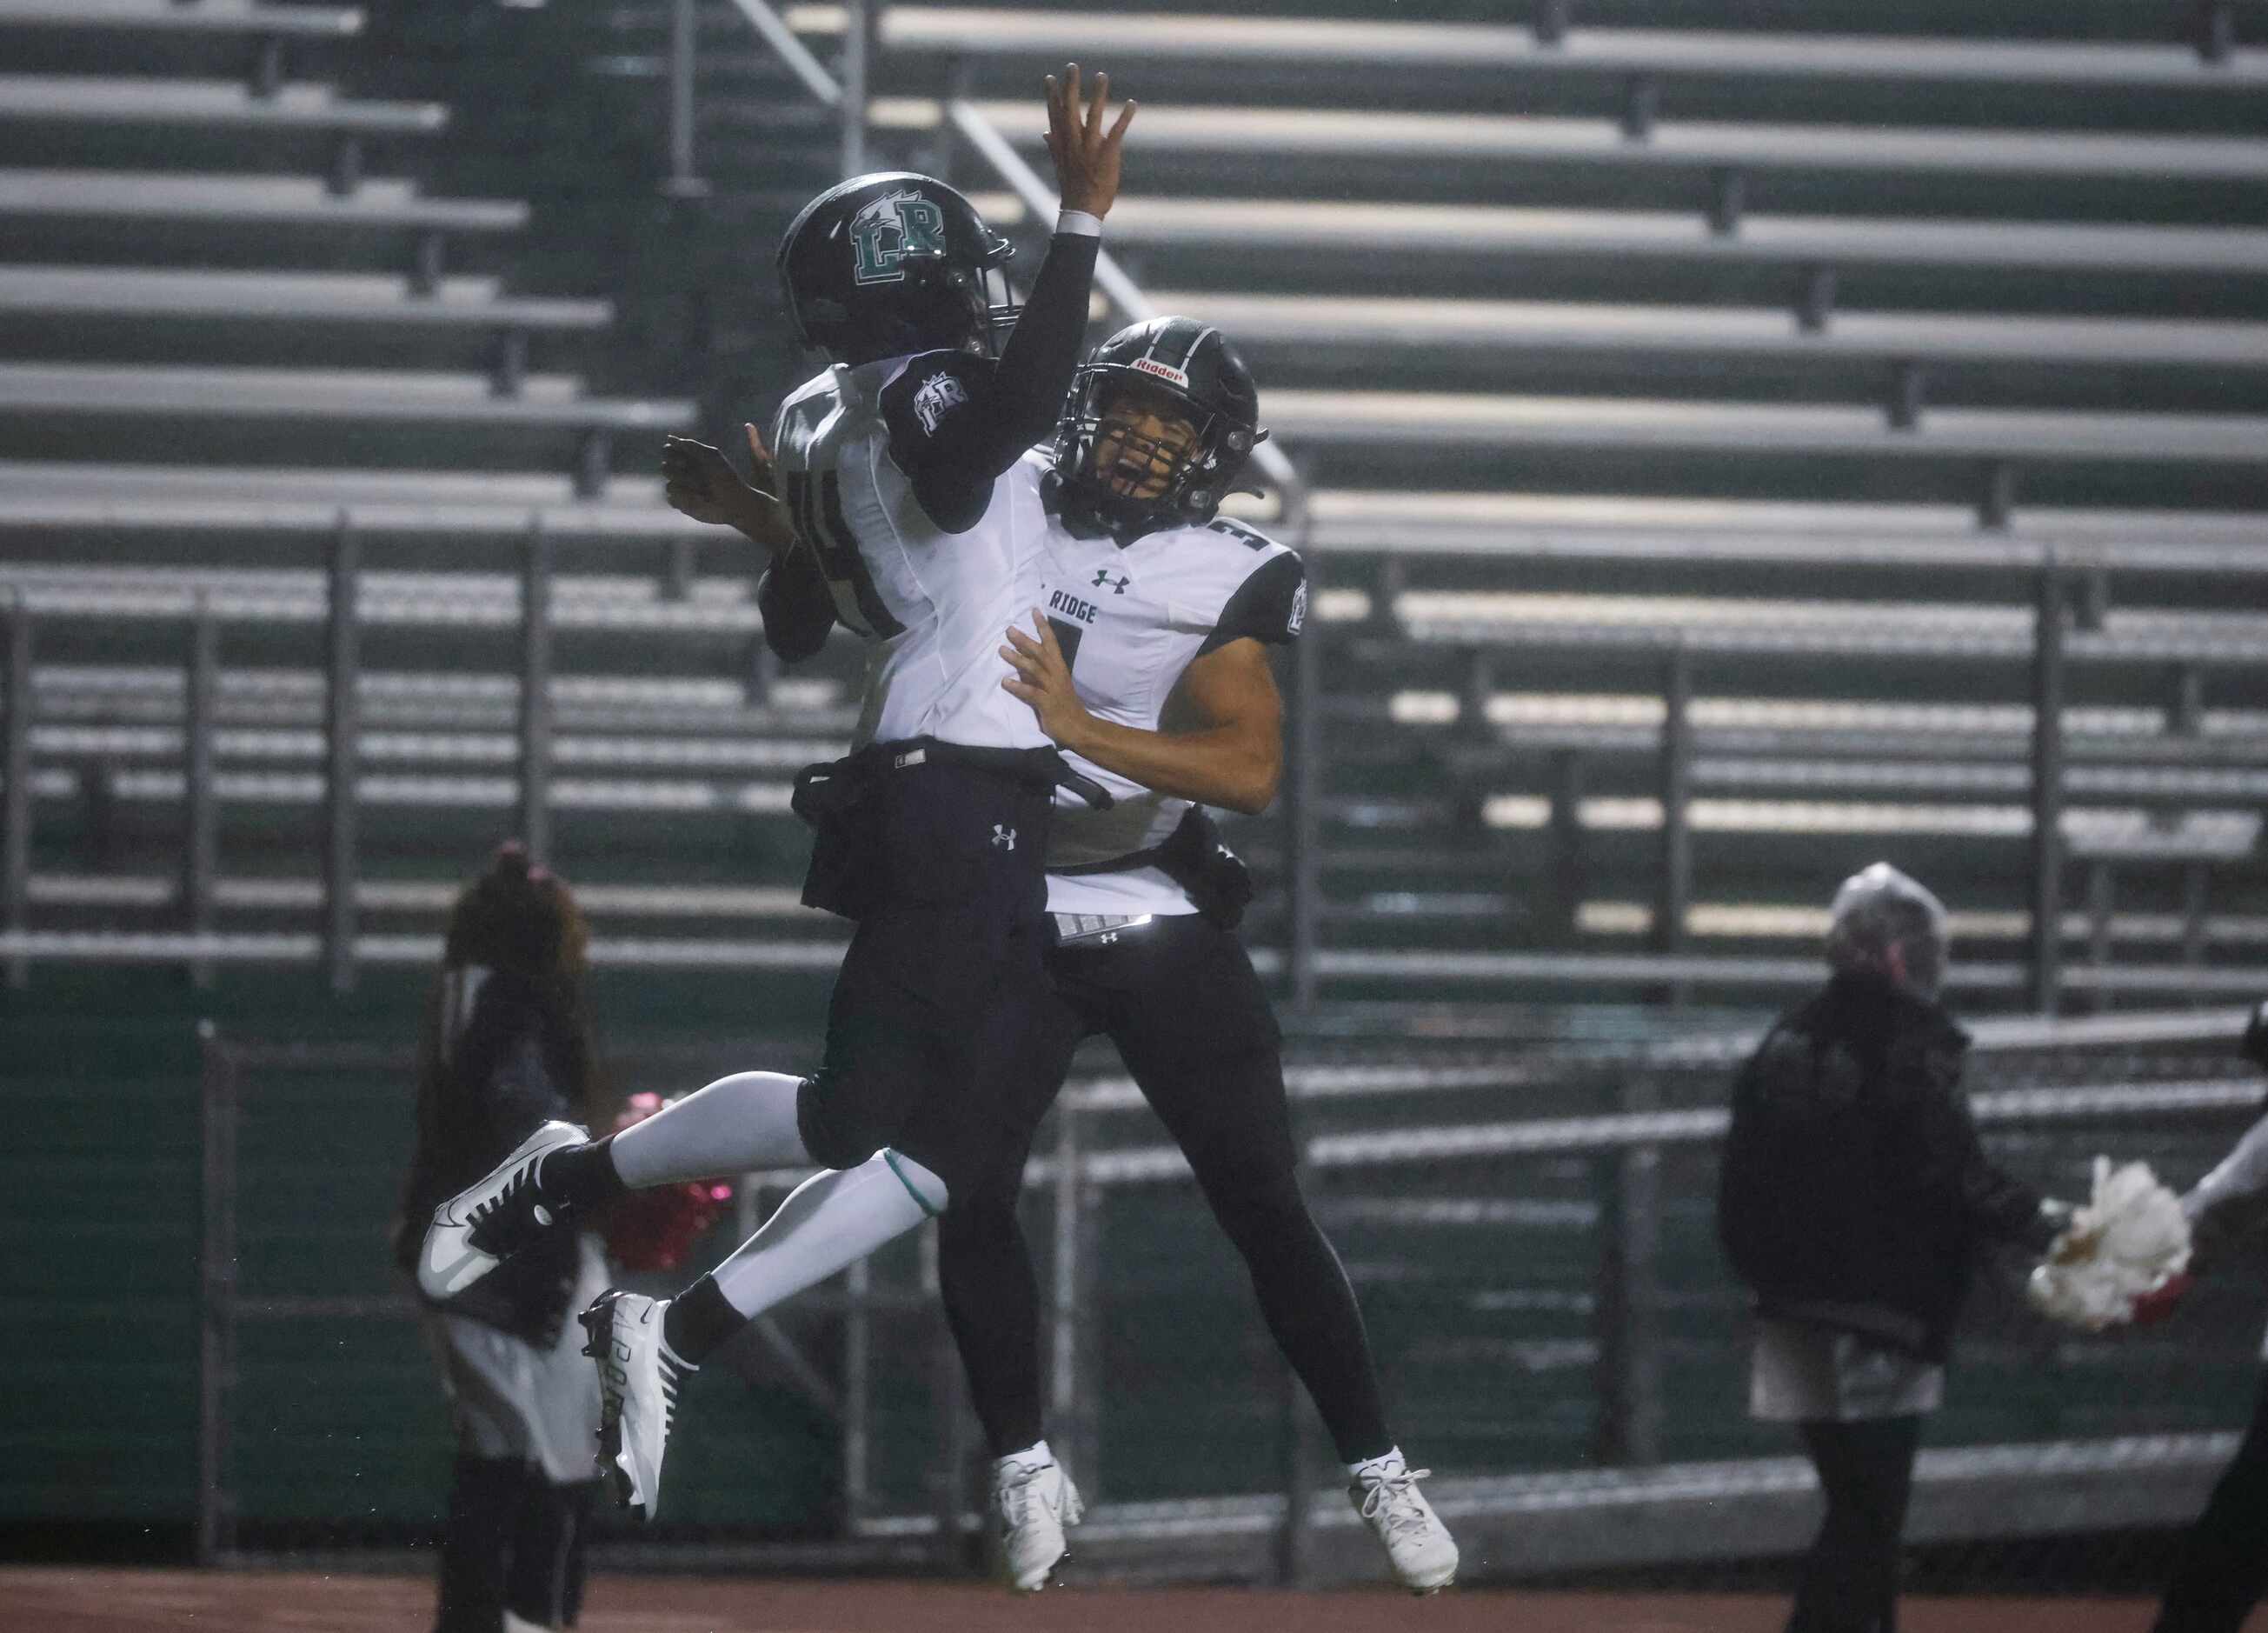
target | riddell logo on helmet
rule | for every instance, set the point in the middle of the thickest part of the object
(1163, 371)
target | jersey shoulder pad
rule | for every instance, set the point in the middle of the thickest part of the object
(1250, 537)
(1268, 606)
(927, 395)
(807, 404)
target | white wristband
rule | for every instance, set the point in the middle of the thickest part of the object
(1079, 223)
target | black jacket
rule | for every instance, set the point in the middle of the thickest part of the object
(506, 1071)
(1854, 1194)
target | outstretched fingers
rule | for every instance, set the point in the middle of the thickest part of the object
(1094, 108)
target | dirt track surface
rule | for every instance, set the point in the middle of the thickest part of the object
(67, 1600)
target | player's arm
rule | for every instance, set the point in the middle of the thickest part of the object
(956, 425)
(796, 605)
(700, 482)
(1230, 753)
(2228, 1202)
(1223, 742)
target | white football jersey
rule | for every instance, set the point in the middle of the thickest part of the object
(932, 607)
(1130, 619)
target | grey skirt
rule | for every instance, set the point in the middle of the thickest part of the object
(510, 1399)
(1806, 1374)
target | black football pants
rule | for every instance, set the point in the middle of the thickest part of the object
(934, 1001)
(1180, 999)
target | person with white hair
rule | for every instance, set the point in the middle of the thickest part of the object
(1853, 1202)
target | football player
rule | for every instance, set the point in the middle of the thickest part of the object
(1147, 662)
(893, 513)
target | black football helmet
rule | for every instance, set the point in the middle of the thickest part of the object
(894, 263)
(1191, 373)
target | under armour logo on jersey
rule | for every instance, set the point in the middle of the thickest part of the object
(1117, 586)
(938, 393)
(1005, 838)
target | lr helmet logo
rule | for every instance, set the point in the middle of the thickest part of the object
(1003, 837)
(892, 229)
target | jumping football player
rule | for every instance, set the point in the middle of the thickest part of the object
(1147, 662)
(932, 836)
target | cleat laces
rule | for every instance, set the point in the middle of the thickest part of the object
(1390, 1502)
(1015, 1496)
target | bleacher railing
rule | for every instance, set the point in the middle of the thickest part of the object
(2143, 1464)
(195, 940)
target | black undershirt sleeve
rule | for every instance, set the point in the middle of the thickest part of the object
(1271, 607)
(796, 607)
(955, 424)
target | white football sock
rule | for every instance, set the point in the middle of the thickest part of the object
(744, 1121)
(829, 1222)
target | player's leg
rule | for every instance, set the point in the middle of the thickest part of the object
(889, 1108)
(1194, 1028)
(744, 1121)
(2222, 1568)
(991, 1301)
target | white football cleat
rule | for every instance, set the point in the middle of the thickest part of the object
(1417, 1545)
(639, 1380)
(492, 1218)
(1033, 1502)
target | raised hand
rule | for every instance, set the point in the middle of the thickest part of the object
(1086, 155)
(699, 482)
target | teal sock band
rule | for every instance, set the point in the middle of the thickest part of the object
(912, 1190)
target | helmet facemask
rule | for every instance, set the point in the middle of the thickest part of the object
(1136, 455)
(993, 306)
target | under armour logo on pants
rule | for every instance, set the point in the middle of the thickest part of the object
(1005, 838)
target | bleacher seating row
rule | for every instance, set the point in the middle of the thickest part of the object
(1582, 358)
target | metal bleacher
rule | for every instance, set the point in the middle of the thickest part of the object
(1605, 339)
(1768, 353)
(291, 363)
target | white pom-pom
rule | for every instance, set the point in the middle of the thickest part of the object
(2130, 1239)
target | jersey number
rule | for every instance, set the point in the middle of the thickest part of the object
(818, 508)
(1067, 638)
